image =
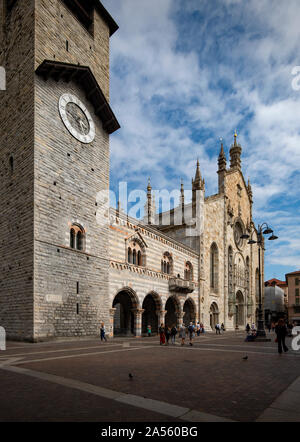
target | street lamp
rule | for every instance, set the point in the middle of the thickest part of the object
(263, 229)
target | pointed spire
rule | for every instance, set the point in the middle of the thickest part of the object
(235, 137)
(250, 193)
(235, 154)
(198, 173)
(182, 201)
(149, 203)
(222, 158)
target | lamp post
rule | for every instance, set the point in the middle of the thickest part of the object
(262, 229)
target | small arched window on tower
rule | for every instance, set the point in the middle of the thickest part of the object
(72, 238)
(77, 237)
(79, 241)
(188, 272)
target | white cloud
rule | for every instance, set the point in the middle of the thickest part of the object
(165, 94)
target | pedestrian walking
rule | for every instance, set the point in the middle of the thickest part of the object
(281, 332)
(149, 331)
(102, 332)
(162, 336)
(218, 329)
(248, 328)
(182, 334)
(222, 327)
(191, 332)
(173, 334)
(168, 334)
(198, 329)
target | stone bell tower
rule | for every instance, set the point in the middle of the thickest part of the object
(54, 135)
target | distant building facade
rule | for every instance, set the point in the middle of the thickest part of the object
(293, 282)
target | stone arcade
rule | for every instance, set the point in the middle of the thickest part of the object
(63, 273)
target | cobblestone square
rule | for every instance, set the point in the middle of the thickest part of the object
(86, 380)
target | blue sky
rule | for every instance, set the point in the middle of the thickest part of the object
(184, 74)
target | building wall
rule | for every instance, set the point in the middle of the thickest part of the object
(291, 280)
(149, 278)
(16, 198)
(213, 233)
(55, 24)
(48, 190)
(68, 176)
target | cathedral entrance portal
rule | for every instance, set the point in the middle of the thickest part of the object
(124, 321)
(172, 309)
(189, 312)
(151, 307)
(239, 310)
(214, 315)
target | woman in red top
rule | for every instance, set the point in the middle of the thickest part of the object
(162, 336)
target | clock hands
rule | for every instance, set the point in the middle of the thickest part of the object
(79, 120)
(82, 125)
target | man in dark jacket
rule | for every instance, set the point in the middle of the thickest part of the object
(281, 332)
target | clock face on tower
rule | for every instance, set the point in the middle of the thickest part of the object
(76, 118)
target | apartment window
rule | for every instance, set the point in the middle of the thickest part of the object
(297, 281)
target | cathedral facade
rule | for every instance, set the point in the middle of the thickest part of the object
(190, 263)
(63, 271)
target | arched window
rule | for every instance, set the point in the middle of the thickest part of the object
(134, 257)
(72, 239)
(188, 272)
(167, 263)
(77, 237)
(214, 266)
(79, 245)
(136, 253)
